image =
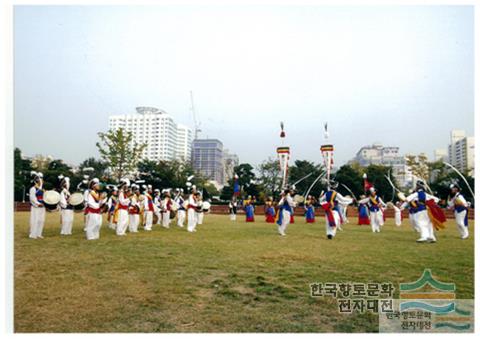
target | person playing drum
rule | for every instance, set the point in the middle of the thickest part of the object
(94, 210)
(166, 208)
(149, 208)
(199, 210)
(37, 210)
(134, 210)
(181, 212)
(66, 208)
(112, 205)
(123, 203)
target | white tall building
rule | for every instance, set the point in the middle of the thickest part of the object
(165, 139)
(377, 154)
(461, 152)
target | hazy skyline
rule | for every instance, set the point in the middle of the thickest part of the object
(398, 75)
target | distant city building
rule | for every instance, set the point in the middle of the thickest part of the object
(440, 154)
(207, 159)
(165, 139)
(377, 154)
(461, 152)
(230, 160)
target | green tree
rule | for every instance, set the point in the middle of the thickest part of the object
(350, 177)
(376, 175)
(99, 168)
(56, 168)
(22, 169)
(269, 177)
(120, 151)
(300, 169)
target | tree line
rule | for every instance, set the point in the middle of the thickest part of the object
(120, 155)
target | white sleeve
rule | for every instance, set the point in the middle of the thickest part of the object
(33, 197)
(92, 203)
(462, 200)
(430, 197)
(412, 197)
(290, 201)
(363, 201)
(342, 200)
(380, 201)
(121, 198)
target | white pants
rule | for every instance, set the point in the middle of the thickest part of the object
(122, 222)
(159, 217)
(423, 222)
(67, 222)
(93, 226)
(411, 217)
(398, 216)
(332, 230)
(148, 220)
(86, 216)
(285, 221)
(134, 220)
(192, 220)
(181, 214)
(199, 216)
(37, 220)
(233, 217)
(376, 220)
(166, 219)
(460, 220)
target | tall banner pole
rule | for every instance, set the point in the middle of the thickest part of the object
(283, 157)
(327, 153)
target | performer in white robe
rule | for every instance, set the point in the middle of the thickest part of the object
(286, 206)
(192, 205)
(375, 205)
(181, 212)
(112, 208)
(199, 211)
(157, 202)
(123, 204)
(149, 208)
(166, 209)
(37, 210)
(422, 220)
(232, 207)
(94, 204)
(66, 213)
(457, 202)
(134, 210)
(329, 201)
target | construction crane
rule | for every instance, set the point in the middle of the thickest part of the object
(196, 125)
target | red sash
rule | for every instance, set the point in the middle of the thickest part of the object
(329, 214)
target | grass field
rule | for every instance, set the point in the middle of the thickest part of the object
(227, 277)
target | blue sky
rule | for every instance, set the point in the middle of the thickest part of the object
(402, 76)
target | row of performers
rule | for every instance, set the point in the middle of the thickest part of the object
(424, 213)
(126, 208)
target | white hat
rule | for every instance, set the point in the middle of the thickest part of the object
(124, 182)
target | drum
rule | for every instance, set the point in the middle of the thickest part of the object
(173, 214)
(50, 200)
(174, 206)
(77, 201)
(206, 206)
